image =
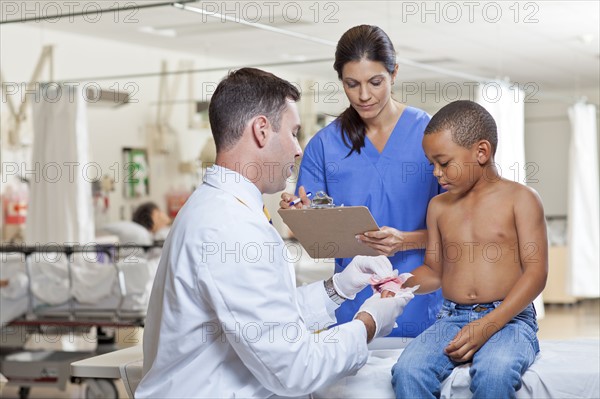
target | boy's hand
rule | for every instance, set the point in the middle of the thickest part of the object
(469, 339)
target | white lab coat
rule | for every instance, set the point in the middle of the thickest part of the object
(225, 318)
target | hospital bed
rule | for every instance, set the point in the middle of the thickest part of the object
(563, 369)
(53, 291)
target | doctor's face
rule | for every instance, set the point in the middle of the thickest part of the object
(284, 147)
(368, 86)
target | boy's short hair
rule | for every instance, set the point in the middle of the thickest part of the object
(468, 123)
(143, 215)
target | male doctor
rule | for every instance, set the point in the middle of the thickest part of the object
(225, 318)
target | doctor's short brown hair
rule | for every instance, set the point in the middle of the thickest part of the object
(243, 95)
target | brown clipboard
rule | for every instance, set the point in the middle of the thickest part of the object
(330, 232)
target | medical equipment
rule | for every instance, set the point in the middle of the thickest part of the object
(65, 291)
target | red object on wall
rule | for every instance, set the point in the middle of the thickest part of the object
(175, 201)
(16, 212)
(14, 203)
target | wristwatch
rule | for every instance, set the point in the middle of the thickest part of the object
(331, 292)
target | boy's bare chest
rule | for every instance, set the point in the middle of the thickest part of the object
(486, 222)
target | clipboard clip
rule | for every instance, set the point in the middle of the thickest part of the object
(321, 200)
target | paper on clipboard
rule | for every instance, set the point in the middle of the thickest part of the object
(330, 232)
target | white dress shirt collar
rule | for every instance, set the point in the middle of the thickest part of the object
(235, 184)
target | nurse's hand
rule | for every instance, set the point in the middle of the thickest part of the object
(357, 275)
(384, 311)
(387, 240)
(287, 198)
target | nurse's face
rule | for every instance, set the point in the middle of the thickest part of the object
(368, 86)
(285, 148)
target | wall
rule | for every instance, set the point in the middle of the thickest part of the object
(111, 129)
(547, 131)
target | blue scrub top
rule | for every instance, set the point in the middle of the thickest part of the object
(396, 185)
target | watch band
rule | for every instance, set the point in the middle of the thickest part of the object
(331, 292)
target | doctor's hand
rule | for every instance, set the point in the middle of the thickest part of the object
(357, 275)
(384, 312)
(287, 198)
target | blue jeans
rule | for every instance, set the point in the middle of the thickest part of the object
(496, 367)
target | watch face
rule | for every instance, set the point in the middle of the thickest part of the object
(333, 295)
(330, 290)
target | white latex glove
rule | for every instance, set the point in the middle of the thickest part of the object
(385, 311)
(356, 276)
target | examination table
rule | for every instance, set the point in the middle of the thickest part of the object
(563, 369)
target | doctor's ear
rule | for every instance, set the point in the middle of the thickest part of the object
(484, 151)
(260, 130)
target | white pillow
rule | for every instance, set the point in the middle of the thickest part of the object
(161, 235)
(129, 232)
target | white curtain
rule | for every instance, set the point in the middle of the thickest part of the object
(583, 205)
(60, 207)
(505, 104)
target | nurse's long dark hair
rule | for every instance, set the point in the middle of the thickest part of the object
(361, 42)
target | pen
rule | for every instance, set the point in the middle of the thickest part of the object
(297, 200)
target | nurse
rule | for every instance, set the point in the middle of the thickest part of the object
(371, 155)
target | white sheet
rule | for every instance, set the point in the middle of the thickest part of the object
(563, 369)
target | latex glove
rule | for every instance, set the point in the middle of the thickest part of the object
(385, 311)
(357, 275)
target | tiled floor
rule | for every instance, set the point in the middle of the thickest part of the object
(581, 320)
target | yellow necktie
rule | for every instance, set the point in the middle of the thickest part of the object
(266, 212)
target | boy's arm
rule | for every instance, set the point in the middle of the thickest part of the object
(429, 274)
(533, 252)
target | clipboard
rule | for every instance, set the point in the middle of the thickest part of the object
(330, 232)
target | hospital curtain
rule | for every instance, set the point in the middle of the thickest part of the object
(60, 208)
(505, 104)
(583, 205)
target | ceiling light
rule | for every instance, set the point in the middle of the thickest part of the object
(159, 32)
(294, 57)
(257, 25)
(586, 38)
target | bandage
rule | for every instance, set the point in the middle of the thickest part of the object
(392, 284)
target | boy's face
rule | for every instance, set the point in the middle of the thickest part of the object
(455, 167)
(160, 220)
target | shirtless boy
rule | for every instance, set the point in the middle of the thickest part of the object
(487, 249)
